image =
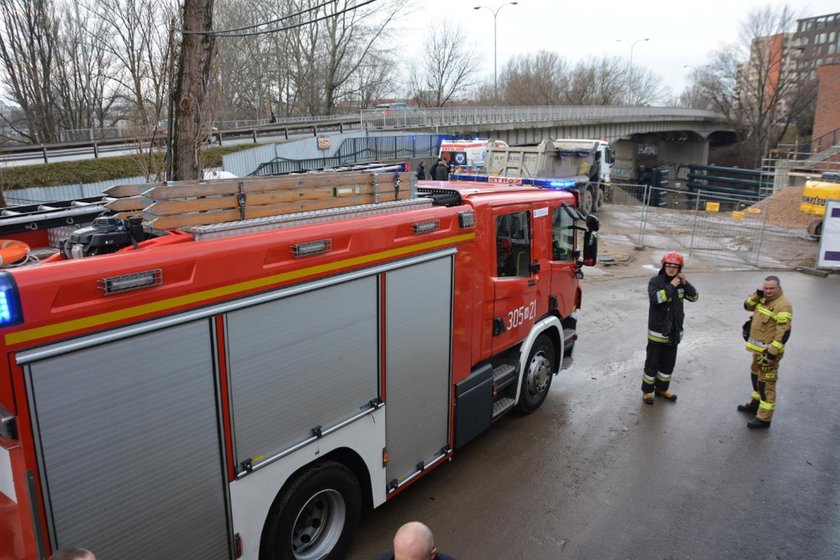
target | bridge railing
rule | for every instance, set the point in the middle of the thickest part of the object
(453, 116)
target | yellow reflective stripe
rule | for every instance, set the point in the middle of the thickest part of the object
(662, 296)
(663, 377)
(756, 346)
(783, 317)
(657, 337)
(695, 297)
(751, 300)
(777, 344)
(767, 405)
(764, 311)
(756, 396)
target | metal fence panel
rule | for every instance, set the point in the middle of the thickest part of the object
(734, 228)
(37, 195)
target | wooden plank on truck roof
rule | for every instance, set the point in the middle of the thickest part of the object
(232, 186)
(120, 191)
(176, 206)
(262, 211)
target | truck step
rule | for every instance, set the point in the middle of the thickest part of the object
(567, 362)
(503, 376)
(501, 406)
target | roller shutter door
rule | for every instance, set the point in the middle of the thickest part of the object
(303, 362)
(419, 324)
(130, 448)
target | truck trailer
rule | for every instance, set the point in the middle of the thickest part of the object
(243, 388)
(584, 163)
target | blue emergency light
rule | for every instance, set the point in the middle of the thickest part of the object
(10, 311)
(552, 184)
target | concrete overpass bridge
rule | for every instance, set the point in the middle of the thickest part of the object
(649, 136)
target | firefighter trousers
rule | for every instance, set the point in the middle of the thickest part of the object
(764, 376)
(659, 365)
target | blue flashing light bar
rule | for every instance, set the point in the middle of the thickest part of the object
(553, 184)
(10, 309)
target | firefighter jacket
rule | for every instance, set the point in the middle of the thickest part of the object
(665, 317)
(770, 327)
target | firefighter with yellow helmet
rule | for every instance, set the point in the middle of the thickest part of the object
(666, 292)
(768, 332)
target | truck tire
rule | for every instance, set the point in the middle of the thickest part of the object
(315, 516)
(538, 373)
(587, 200)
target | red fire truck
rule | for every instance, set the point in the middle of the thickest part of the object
(245, 389)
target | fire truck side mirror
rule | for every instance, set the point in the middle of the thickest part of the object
(592, 223)
(590, 248)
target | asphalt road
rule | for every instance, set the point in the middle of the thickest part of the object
(597, 474)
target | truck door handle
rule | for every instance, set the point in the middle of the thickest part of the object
(534, 268)
(532, 282)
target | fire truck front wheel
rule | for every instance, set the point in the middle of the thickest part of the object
(537, 379)
(315, 516)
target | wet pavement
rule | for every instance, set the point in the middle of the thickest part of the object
(597, 474)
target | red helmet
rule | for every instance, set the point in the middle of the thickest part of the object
(673, 258)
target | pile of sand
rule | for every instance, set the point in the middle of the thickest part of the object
(783, 208)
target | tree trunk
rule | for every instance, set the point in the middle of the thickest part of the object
(191, 90)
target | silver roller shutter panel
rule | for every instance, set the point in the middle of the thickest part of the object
(419, 323)
(129, 441)
(303, 361)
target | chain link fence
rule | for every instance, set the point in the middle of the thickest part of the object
(731, 228)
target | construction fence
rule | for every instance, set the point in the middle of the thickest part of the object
(722, 226)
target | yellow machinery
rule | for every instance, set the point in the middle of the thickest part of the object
(814, 195)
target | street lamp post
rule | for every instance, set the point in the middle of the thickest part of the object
(495, 13)
(633, 45)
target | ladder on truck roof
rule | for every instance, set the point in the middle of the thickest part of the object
(192, 204)
(17, 219)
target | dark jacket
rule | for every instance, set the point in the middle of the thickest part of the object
(442, 172)
(665, 317)
(421, 172)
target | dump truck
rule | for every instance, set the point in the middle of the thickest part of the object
(585, 164)
(236, 368)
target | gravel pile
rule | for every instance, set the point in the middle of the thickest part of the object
(783, 208)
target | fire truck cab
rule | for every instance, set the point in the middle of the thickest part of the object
(245, 390)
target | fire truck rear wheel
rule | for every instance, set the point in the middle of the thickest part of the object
(315, 517)
(537, 379)
(587, 201)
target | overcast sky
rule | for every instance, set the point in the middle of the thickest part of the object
(680, 33)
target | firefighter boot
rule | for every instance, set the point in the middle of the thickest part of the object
(648, 398)
(749, 408)
(667, 395)
(757, 424)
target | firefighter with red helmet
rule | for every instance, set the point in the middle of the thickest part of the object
(666, 292)
(769, 331)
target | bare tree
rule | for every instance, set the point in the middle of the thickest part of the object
(611, 81)
(140, 45)
(192, 123)
(448, 68)
(27, 56)
(533, 79)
